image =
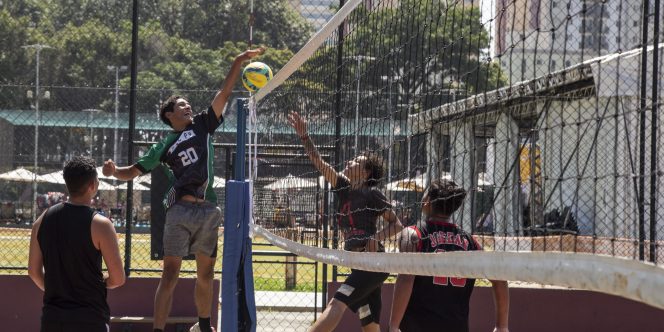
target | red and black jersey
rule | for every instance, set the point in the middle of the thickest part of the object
(358, 212)
(441, 303)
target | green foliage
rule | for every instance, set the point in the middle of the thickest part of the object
(183, 44)
(431, 46)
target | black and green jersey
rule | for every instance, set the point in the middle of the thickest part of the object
(189, 155)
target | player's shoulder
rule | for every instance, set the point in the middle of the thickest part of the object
(100, 223)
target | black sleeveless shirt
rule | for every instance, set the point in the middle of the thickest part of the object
(358, 212)
(443, 302)
(75, 290)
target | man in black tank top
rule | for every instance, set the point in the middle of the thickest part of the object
(426, 303)
(67, 245)
(360, 206)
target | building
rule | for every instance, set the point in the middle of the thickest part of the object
(536, 37)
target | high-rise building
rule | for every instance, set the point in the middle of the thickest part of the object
(536, 37)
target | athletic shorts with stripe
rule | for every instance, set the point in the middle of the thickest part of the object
(361, 293)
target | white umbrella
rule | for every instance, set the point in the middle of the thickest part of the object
(417, 183)
(21, 175)
(291, 182)
(136, 186)
(54, 177)
(219, 182)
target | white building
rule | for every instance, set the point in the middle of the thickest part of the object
(536, 37)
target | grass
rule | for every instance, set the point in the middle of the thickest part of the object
(269, 274)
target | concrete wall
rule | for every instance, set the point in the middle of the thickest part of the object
(542, 310)
(21, 302)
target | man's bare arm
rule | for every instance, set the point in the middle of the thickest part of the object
(403, 288)
(125, 173)
(501, 298)
(393, 227)
(221, 98)
(106, 240)
(35, 258)
(300, 126)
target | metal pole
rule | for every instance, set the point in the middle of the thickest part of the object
(391, 147)
(357, 105)
(130, 133)
(642, 130)
(117, 102)
(654, 177)
(241, 138)
(37, 122)
(38, 48)
(337, 129)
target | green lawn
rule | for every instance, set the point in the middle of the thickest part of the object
(268, 275)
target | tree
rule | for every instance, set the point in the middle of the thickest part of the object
(429, 48)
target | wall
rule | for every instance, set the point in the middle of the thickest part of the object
(21, 301)
(542, 310)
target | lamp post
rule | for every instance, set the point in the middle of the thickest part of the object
(38, 48)
(117, 70)
(357, 96)
(90, 111)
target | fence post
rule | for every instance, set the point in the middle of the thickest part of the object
(291, 272)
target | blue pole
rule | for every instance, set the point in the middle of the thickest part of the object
(237, 280)
(241, 138)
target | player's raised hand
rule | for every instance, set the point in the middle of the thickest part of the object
(298, 123)
(109, 168)
(501, 329)
(249, 54)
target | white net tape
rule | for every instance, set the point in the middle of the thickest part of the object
(626, 278)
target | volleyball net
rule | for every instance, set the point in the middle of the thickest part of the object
(545, 114)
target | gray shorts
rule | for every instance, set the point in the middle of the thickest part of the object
(191, 228)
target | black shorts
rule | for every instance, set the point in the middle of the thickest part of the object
(361, 293)
(73, 327)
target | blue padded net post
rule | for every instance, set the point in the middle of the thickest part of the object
(237, 281)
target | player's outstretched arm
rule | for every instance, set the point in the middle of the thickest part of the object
(501, 299)
(106, 240)
(393, 227)
(403, 287)
(35, 258)
(125, 173)
(300, 125)
(221, 98)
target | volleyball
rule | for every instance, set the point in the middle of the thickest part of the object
(255, 75)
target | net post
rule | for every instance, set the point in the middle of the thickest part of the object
(238, 310)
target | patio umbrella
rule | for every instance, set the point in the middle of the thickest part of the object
(137, 186)
(21, 175)
(219, 182)
(417, 183)
(291, 182)
(54, 177)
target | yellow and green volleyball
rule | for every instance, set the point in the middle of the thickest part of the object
(255, 75)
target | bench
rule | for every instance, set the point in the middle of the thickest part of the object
(182, 324)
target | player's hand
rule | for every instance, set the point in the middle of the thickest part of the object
(109, 168)
(393, 329)
(298, 123)
(501, 329)
(249, 54)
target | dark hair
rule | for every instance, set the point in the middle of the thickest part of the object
(166, 107)
(78, 173)
(445, 196)
(373, 164)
